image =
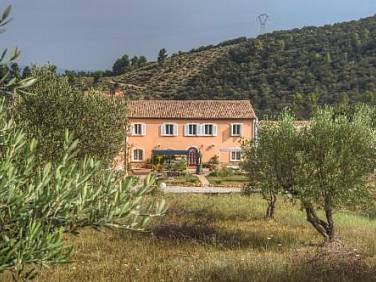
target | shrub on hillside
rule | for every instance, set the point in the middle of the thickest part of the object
(98, 121)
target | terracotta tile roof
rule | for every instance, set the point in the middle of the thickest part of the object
(191, 109)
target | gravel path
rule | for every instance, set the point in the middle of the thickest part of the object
(200, 190)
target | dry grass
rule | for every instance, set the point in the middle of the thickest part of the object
(221, 238)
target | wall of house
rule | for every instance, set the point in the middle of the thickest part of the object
(209, 146)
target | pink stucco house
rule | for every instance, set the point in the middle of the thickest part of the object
(191, 128)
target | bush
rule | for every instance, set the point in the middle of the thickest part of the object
(213, 163)
(98, 121)
(224, 172)
(175, 167)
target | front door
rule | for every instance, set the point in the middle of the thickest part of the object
(192, 157)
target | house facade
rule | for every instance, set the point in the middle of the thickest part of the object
(205, 128)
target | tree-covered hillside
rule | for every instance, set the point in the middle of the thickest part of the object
(299, 68)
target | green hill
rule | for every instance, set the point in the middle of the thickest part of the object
(168, 80)
(298, 68)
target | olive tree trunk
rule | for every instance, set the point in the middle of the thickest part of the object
(325, 228)
(271, 206)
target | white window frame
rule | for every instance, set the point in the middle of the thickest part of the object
(231, 156)
(175, 129)
(143, 129)
(232, 129)
(133, 155)
(186, 129)
(214, 127)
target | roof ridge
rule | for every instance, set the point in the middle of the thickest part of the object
(191, 109)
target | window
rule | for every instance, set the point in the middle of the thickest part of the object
(138, 155)
(235, 156)
(236, 129)
(209, 129)
(169, 129)
(191, 129)
(138, 129)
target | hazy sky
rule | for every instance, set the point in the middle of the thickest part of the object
(90, 34)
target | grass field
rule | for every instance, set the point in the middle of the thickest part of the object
(220, 238)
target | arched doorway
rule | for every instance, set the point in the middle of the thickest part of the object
(192, 157)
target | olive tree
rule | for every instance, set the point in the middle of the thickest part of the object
(39, 203)
(324, 165)
(337, 156)
(10, 85)
(97, 120)
(271, 161)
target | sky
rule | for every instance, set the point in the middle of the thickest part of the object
(91, 34)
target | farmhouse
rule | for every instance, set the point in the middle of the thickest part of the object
(196, 129)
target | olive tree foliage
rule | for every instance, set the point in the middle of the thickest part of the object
(270, 161)
(98, 121)
(39, 203)
(337, 156)
(324, 165)
(10, 85)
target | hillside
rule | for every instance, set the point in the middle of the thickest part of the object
(167, 79)
(328, 65)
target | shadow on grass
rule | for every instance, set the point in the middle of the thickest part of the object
(211, 213)
(228, 239)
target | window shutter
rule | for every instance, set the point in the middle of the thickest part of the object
(231, 129)
(143, 129)
(186, 130)
(200, 129)
(175, 130)
(214, 130)
(241, 129)
(163, 130)
(132, 129)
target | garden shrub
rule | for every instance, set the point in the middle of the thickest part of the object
(224, 172)
(175, 167)
(213, 163)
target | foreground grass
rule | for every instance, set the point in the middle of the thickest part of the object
(216, 238)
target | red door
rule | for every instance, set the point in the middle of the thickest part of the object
(192, 157)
